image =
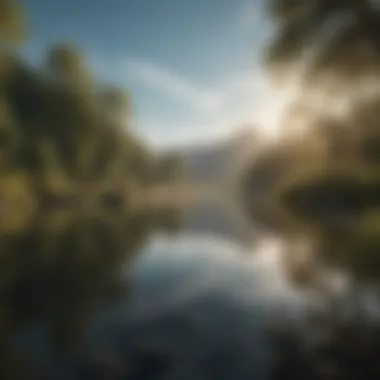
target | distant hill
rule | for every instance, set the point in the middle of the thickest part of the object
(220, 160)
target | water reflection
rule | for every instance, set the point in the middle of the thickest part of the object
(95, 296)
(58, 273)
(221, 220)
(197, 307)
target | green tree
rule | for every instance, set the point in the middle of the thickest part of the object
(327, 189)
(327, 36)
(66, 63)
(12, 22)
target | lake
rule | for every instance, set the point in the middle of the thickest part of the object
(196, 303)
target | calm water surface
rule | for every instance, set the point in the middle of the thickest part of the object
(198, 304)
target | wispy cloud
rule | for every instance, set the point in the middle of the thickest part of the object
(245, 98)
(173, 84)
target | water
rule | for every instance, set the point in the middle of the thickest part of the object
(195, 304)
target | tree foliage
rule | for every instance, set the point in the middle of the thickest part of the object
(12, 23)
(54, 128)
(326, 36)
(325, 183)
(170, 166)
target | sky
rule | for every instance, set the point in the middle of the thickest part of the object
(192, 67)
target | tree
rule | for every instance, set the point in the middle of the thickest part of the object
(12, 22)
(326, 37)
(67, 64)
(170, 167)
(329, 197)
(116, 102)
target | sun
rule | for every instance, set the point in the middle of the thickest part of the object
(273, 105)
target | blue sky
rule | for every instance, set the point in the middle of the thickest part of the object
(191, 66)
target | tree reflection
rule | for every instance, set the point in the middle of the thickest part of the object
(61, 271)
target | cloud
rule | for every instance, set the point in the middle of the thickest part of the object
(224, 107)
(243, 99)
(173, 84)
